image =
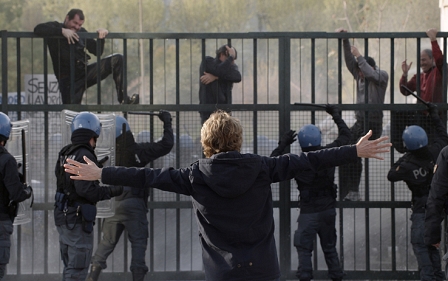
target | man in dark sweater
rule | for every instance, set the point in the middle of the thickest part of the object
(217, 77)
(64, 36)
(231, 194)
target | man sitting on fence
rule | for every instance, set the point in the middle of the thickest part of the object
(86, 75)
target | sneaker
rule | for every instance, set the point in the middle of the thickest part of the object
(352, 196)
(135, 99)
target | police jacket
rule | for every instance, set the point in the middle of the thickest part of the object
(60, 49)
(220, 90)
(11, 189)
(415, 168)
(232, 201)
(317, 188)
(89, 192)
(132, 154)
(436, 202)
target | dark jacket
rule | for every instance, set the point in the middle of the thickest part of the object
(11, 189)
(132, 154)
(60, 49)
(90, 192)
(219, 91)
(317, 188)
(232, 200)
(436, 202)
(415, 168)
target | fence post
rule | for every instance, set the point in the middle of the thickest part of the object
(284, 90)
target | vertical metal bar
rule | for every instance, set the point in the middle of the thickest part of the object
(18, 74)
(46, 156)
(151, 71)
(151, 191)
(444, 71)
(179, 152)
(125, 68)
(98, 70)
(255, 97)
(284, 124)
(392, 190)
(313, 78)
(46, 71)
(366, 168)
(418, 67)
(4, 34)
(341, 209)
(72, 73)
(339, 70)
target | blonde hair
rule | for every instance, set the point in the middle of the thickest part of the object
(221, 133)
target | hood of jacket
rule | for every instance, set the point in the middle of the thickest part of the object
(230, 174)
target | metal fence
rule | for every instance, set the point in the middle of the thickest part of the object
(278, 70)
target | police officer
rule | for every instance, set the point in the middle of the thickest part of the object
(415, 168)
(12, 191)
(317, 199)
(75, 209)
(131, 207)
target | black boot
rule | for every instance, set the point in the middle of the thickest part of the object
(135, 99)
(138, 276)
(95, 271)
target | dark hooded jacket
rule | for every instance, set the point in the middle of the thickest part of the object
(232, 201)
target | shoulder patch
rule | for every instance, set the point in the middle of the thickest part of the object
(435, 168)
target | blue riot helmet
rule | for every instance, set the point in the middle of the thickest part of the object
(119, 121)
(309, 135)
(86, 120)
(143, 136)
(185, 141)
(414, 137)
(5, 125)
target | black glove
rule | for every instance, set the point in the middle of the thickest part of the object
(433, 111)
(115, 190)
(165, 116)
(28, 191)
(288, 138)
(333, 110)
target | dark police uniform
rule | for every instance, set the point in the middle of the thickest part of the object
(317, 201)
(415, 168)
(131, 206)
(75, 243)
(11, 189)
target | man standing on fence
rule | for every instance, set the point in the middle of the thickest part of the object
(131, 207)
(416, 169)
(431, 90)
(86, 75)
(370, 81)
(231, 194)
(217, 76)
